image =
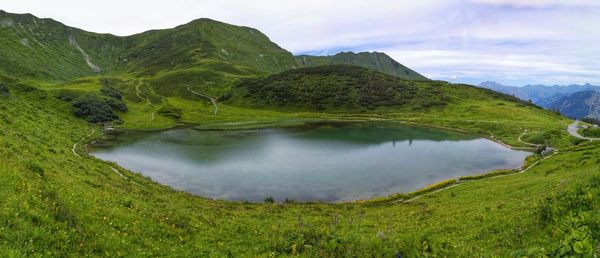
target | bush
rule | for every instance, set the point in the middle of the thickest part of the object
(35, 168)
(4, 90)
(170, 111)
(111, 92)
(94, 109)
(574, 218)
(591, 132)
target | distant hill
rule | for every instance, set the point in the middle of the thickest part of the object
(580, 104)
(374, 60)
(352, 88)
(541, 95)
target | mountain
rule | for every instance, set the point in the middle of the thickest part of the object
(374, 60)
(46, 49)
(579, 105)
(541, 95)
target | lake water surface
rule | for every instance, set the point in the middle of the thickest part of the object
(319, 162)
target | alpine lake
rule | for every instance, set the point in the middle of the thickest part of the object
(329, 162)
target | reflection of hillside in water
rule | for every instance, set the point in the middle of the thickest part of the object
(375, 133)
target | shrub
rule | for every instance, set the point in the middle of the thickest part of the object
(68, 95)
(170, 111)
(573, 215)
(111, 92)
(4, 90)
(269, 200)
(591, 132)
(94, 109)
(35, 167)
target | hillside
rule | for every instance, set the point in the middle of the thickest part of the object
(345, 87)
(44, 49)
(56, 203)
(375, 60)
(61, 88)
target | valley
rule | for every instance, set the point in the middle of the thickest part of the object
(214, 80)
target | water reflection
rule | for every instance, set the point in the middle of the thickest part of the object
(327, 162)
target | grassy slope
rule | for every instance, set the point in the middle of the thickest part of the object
(39, 49)
(59, 204)
(375, 60)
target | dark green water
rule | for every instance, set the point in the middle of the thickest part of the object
(327, 162)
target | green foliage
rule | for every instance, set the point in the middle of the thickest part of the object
(339, 87)
(591, 132)
(35, 167)
(4, 91)
(170, 111)
(494, 173)
(574, 216)
(94, 109)
(97, 109)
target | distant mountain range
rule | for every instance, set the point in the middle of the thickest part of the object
(574, 100)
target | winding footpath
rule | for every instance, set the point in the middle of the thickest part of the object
(76, 154)
(138, 92)
(574, 127)
(527, 143)
(75, 145)
(214, 102)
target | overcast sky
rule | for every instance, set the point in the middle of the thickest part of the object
(515, 42)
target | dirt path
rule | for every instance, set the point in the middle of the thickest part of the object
(138, 92)
(574, 127)
(527, 143)
(75, 145)
(118, 173)
(214, 102)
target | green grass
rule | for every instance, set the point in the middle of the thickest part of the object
(58, 204)
(591, 132)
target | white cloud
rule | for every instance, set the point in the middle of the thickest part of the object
(540, 3)
(521, 41)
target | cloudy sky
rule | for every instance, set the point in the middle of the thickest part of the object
(515, 42)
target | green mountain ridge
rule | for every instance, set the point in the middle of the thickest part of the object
(45, 49)
(51, 50)
(375, 60)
